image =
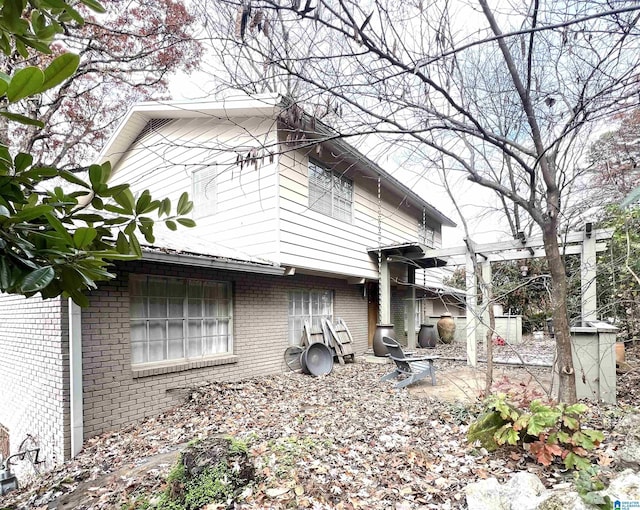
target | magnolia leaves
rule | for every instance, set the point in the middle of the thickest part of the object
(51, 243)
(32, 80)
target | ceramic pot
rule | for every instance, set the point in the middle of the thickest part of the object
(379, 348)
(446, 328)
(620, 352)
(427, 337)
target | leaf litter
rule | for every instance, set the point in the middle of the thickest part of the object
(343, 441)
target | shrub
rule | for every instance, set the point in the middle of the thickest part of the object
(548, 431)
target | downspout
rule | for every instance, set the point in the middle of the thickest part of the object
(75, 376)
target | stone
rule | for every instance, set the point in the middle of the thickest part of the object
(628, 455)
(486, 495)
(625, 486)
(522, 491)
(562, 500)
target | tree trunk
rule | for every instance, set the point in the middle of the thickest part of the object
(566, 372)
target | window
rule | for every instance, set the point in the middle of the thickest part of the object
(204, 192)
(176, 318)
(330, 193)
(417, 321)
(426, 235)
(313, 306)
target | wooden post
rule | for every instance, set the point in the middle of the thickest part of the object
(472, 317)
(486, 279)
(411, 312)
(588, 275)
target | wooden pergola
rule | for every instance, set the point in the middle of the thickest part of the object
(586, 243)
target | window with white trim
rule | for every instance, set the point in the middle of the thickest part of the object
(330, 193)
(426, 235)
(310, 305)
(204, 192)
(179, 318)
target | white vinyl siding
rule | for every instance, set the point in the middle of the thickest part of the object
(177, 318)
(204, 192)
(312, 240)
(330, 193)
(243, 200)
(312, 306)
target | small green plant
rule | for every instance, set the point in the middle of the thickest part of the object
(551, 431)
(589, 484)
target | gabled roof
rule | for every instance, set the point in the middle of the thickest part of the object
(268, 106)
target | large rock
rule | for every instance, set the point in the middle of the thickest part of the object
(486, 495)
(519, 493)
(562, 500)
(628, 455)
(625, 486)
(524, 491)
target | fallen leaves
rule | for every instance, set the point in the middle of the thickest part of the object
(344, 441)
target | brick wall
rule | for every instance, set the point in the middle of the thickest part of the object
(113, 397)
(34, 368)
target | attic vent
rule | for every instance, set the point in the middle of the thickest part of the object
(152, 125)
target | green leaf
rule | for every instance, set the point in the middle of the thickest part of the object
(59, 70)
(135, 245)
(506, 434)
(6, 280)
(186, 222)
(4, 83)
(22, 119)
(94, 6)
(570, 423)
(184, 204)
(38, 279)
(122, 245)
(72, 178)
(125, 200)
(11, 14)
(576, 409)
(171, 225)
(31, 213)
(22, 161)
(573, 461)
(84, 236)
(143, 202)
(165, 207)
(60, 228)
(26, 82)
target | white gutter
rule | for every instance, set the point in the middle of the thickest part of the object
(75, 376)
(216, 263)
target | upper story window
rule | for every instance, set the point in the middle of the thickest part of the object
(204, 192)
(426, 235)
(330, 193)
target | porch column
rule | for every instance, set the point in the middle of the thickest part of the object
(588, 275)
(411, 312)
(472, 312)
(385, 291)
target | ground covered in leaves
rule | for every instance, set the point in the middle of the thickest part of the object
(340, 441)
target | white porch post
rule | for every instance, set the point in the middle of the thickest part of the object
(411, 312)
(588, 275)
(385, 291)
